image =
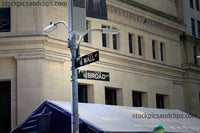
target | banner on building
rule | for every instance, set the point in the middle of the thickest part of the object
(96, 9)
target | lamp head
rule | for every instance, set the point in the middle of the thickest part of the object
(198, 57)
(108, 30)
(50, 28)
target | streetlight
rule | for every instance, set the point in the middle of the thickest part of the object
(107, 30)
(73, 56)
(53, 26)
(198, 57)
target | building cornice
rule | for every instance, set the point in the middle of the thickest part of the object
(148, 19)
(41, 54)
(150, 9)
(191, 67)
(34, 48)
(189, 38)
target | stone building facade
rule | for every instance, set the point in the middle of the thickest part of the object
(145, 61)
(190, 46)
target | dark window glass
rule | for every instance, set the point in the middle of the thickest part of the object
(193, 26)
(104, 38)
(197, 4)
(162, 51)
(199, 52)
(137, 99)
(130, 36)
(195, 55)
(111, 96)
(153, 49)
(82, 93)
(140, 45)
(5, 107)
(5, 20)
(191, 4)
(198, 28)
(160, 101)
(199, 97)
(114, 41)
(85, 39)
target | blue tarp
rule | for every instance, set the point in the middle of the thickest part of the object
(55, 117)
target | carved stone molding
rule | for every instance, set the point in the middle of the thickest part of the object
(40, 54)
(145, 20)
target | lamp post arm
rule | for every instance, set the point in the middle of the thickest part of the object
(80, 38)
(87, 33)
(62, 22)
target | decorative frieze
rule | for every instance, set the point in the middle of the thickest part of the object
(41, 54)
(34, 48)
(145, 20)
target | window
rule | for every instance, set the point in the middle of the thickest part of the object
(153, 49)
(137, 98)
(195, 54)
(115, 38)
(162, 51)
(191, 4)
(197, 4)
(114, 41)
(105, 41)
(4, 19)
(199, 52)
(5, 107)
(130, 39)
(198, 23)
(86, 37)
(140, 45)
(193, 26)
(160, 101)
(82, 93)
(199, 97)
(111, 96)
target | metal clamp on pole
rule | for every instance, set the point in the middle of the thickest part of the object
(69, 42)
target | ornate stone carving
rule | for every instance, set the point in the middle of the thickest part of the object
(145, 20)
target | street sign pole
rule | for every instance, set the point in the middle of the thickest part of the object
(76, 25)
(74, 85)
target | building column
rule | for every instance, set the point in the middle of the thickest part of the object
(151, 100)
(99, 93)
(30, 85)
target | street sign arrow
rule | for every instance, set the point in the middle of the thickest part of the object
(87, 59)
